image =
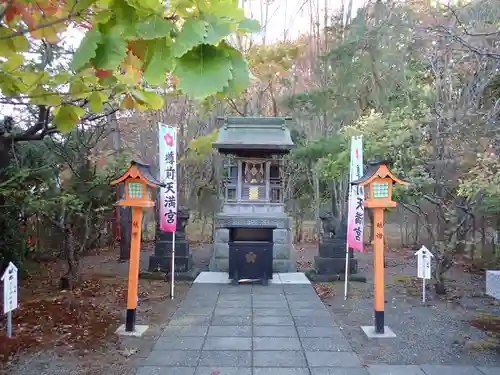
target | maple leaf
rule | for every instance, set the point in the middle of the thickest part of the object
(128, 102)
(101, 73)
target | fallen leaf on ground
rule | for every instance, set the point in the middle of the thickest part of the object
(324, 290)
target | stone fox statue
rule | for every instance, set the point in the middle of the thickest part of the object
(333, 227)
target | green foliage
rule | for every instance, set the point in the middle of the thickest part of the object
(199, 67)
(274, 60)
(53, 183)
(483, 179)
(127, 44)
(199, 148)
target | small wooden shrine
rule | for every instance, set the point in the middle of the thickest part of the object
(253, 234)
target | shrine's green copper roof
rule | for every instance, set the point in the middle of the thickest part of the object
(254, 133)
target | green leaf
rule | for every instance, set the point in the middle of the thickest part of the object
(218, 29)
(13, 63)
(192, 34)
(148, 99)
(20, 43)
(159, 61)
(110, 52)
(239, 71)
(12, 45)
(224, 8)
(104, 4)
(78, 89)
(87, 49)
(154, 27)
(83, 5)
(146, 5)
(203, 71)
(61, 78)
(153, 100)
(249, 25)
(67, 117)
(9, 84)
(103, 16)
(44, 97)
(96, 101)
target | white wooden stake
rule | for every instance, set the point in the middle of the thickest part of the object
(423, 290)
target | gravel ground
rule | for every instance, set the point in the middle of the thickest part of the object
(119, 356)
(437, 332)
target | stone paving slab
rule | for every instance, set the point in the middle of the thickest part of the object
(450, 370)
(489, 370)
(395, 370)
(339, 371)
(280, 329)
(223, 371)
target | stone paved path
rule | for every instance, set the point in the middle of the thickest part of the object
(257, 330)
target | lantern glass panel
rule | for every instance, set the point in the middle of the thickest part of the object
(380, 190)
(135, 190)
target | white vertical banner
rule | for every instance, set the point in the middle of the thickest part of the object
(168, 174)
(355, 208)
(168, 194)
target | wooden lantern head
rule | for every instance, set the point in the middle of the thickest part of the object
(377, 183)
(139, 183)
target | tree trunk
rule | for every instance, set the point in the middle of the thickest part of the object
(439, 286)
(317, 202)
(443, 264)
(6, 254)
(70, 279)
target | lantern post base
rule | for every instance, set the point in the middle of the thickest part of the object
(138, 331)
(371, 333)
(379, 322)
(130, 320)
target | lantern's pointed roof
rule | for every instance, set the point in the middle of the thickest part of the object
(254, 133)
(141, 170)
(378, 169)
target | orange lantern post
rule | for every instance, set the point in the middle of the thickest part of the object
(377, 184)
(139, 183)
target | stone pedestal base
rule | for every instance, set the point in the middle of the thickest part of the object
(160, 261)
(334, 249)
(331, 259)
(279, 265)
(332, 266)
(163, 263)
(283, 250)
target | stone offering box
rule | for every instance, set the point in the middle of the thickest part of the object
(253, 234)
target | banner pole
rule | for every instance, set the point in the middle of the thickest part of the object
(346, 273)
(172, 268)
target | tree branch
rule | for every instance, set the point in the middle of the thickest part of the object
(464, 28)
(233, 105)
(42, 26)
